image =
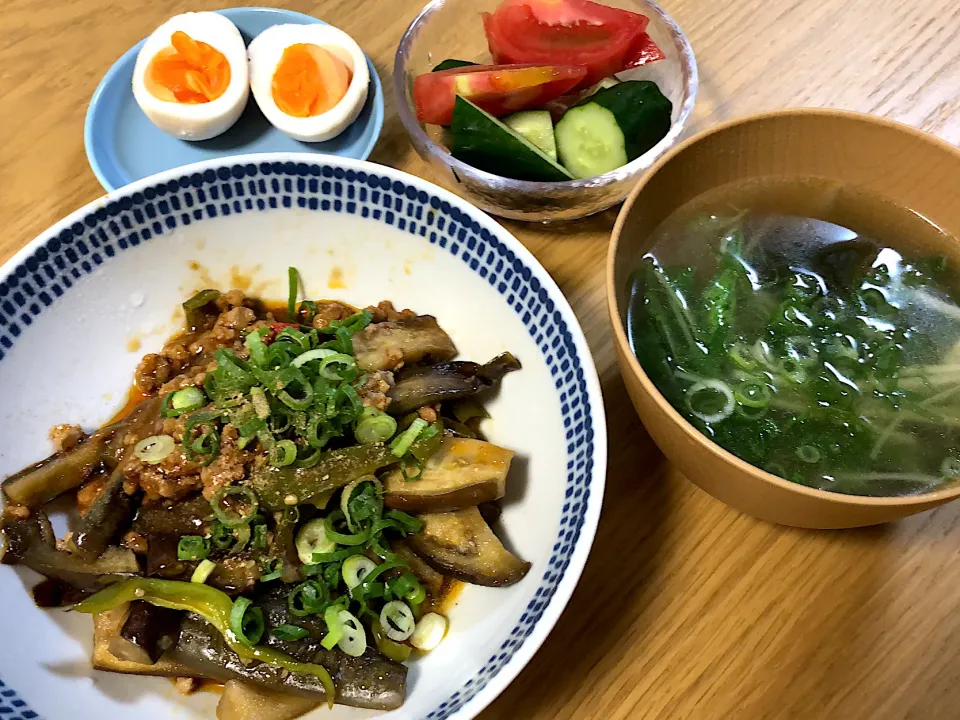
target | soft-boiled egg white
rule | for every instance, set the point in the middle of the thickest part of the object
(285, 64)
(195, 85)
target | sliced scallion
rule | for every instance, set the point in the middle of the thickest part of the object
(193, 547)
(355, 569)
(283, 453)
(235, 519)
(401, 444)
(312, 539)
(311, 355)
(154, 449)
(331, 616)
(246, 621)
(375, 427)
(203, 571)
(353, 640)
(700, 395)
(397, 620)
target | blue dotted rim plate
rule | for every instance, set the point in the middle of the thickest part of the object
(123, 146)
(43, 273)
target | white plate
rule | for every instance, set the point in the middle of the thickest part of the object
(83, 302)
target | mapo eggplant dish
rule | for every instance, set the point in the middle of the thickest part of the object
(291, 496)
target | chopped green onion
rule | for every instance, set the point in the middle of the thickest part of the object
(429, 632)
(154, 449)
(401, 444)
(793, 370)
(283, 453)
(355, 569)
(706, 391)
(289, 632)
(242, 534)
(208, 443)
(375, 427)
(204, 297)
(353, 641)
(221, 537)
(397, 620)
(308, 598)
(261, 406)
(318, 354)
(752, 393)
(246, 622)
(368, 505)
(232, 520)
(346, 361)
(331, 616)
(343, 538)
(271, 570)
(739, 353)
(409, 588)
(203, 571)
(193, 547)
(312, 539)
(258, 349)
(398, 652)
(293, 276)
(260, 537)
(808, 454)
(189, 398)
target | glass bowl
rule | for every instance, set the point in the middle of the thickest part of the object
(453, 29)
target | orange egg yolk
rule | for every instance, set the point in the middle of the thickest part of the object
(309, 80)
(189, 71)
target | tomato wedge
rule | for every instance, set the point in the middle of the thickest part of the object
(498, 89)
(605, 40)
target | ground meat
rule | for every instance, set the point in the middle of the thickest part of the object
(229, 467)
(186, 685)
(428, 413)
(374, 390)
(152, 372)
(173, 477)
(385, 312)
(193, 350)
(65, 437)
(330, 310)
(192, 377)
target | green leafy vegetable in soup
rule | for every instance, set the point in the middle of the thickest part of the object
(815, 353)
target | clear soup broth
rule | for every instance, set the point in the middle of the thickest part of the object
(811, 329)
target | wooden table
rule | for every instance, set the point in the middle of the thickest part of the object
(687, 609)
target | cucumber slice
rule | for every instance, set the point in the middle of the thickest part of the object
(537, 127)
(479, 139)
(590, 142)
(612, 127)
(450, 64)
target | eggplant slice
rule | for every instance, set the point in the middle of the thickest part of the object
(461, 544)
(106, 520)
(30, 542)
(462, 473)
(147, 633)
(41, 483)
(384, 346)
(245, 701)
(107, 627)
(370, 681)
(419, 386)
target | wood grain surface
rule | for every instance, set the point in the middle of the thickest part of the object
(687, 609)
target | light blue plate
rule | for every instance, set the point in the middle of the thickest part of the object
(123, 145)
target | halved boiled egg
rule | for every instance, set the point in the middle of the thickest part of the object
(310, 81)
(191, 77)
